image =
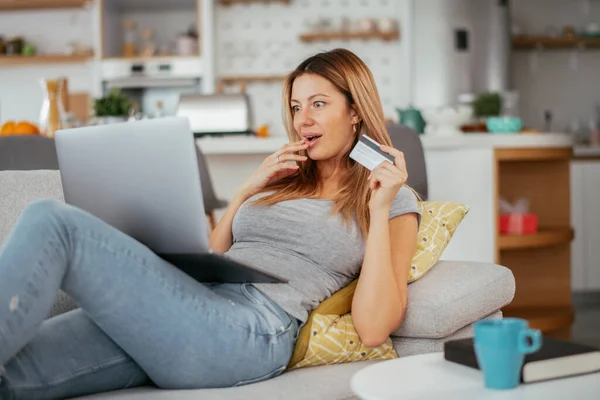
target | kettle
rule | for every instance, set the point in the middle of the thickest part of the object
(412, 118)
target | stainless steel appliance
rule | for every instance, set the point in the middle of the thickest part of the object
(217, 114)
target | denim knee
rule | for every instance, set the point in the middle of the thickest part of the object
(44, 208)
(47, 215)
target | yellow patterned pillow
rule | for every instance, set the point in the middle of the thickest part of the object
(334, 341)
(439, 221)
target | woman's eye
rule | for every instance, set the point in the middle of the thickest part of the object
(295, 108)
(319, 103)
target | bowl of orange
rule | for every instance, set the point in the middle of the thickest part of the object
(19, 128)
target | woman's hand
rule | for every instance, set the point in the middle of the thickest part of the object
(274, 168)
(386, 179)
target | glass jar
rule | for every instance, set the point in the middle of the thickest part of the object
(14, 46)
(129, 49)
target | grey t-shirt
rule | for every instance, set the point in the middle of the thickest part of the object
(299, 240)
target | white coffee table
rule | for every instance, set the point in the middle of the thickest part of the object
(429, 376)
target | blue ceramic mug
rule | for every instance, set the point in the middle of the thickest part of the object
(500, 348)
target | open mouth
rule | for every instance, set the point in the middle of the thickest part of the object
(312, 138)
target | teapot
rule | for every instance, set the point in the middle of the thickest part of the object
(412, 118)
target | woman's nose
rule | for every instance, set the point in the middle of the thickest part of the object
(303, 117)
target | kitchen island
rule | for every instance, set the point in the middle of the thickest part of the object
(476, 169)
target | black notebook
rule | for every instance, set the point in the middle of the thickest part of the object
(555, 359)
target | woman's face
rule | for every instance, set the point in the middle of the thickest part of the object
(322, 116)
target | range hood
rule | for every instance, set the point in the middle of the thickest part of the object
(154, 72)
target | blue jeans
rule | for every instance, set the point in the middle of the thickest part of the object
(142, 321)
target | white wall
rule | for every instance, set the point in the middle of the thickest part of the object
(51, 31)
(263, 39)
(559, 80)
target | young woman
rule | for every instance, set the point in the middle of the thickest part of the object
(309, 213)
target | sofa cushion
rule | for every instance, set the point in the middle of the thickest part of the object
(334, 340)
(455, 294)
(439, 221)
(330, 382)
(19, 188)
(407, 346)
(326, 382)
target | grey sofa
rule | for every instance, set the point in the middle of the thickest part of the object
(442, 306)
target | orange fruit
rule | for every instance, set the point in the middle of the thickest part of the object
(263, 131)
(26, 128)
(8, 128)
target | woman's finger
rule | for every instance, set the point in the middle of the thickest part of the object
(389, 166)
(296, 146)
(288, 149)
(291, 157)
(396, 169)
(399, 170)
(284, 166)
(397, 154)
(386, 175)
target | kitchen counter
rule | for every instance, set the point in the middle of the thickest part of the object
(240, 144)
(488, 140)
(244, 144)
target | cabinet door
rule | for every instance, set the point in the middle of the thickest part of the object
(577, 253)
(585, 192)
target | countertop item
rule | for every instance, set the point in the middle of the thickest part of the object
(217, 113)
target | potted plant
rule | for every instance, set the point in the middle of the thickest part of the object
(487, 104)
(113, 107)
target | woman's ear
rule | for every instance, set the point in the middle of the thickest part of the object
(354, 116)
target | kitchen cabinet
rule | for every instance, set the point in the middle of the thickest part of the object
(13, 5)
(149, 28)
(540, 262)
(585, 192)
(156, 50)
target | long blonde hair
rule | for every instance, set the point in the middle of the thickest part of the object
(350, 75)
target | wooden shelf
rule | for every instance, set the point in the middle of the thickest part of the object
(44, 59)
(157, 57)
(229, 80)
(534, 154)
(14, 5)
(314, 37)
(229, 2)
(537, 42)
(546, 319)
(544, 238)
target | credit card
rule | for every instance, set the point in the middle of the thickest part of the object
(367, 153)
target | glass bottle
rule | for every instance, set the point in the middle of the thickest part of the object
(52, 110)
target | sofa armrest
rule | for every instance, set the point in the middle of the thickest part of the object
(455, 294)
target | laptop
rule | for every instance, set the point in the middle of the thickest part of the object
(142, 178)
